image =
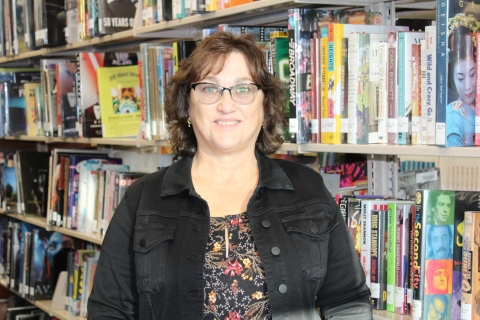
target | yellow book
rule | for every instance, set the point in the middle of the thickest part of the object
(119, 96)
(31, 108)
(324, 96)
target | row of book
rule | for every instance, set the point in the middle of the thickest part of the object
(32, 259)
(420, 257)
(363, 84)
(75, 189)
(30, 25)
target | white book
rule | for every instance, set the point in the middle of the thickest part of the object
(382, 93)
(374, 80)
(423, 85)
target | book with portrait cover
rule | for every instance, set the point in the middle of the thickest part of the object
(119, 95)
(470, 308)
(457, 26)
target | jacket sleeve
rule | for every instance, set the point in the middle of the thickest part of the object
(358, 310)
(344, 284)
(114, 293)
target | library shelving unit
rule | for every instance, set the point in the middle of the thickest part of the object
(264, 12)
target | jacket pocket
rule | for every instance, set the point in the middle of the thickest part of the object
(151, 246)
(311, 235)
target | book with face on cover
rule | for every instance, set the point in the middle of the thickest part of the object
(457, 27)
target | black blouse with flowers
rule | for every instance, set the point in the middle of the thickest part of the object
(235, 284)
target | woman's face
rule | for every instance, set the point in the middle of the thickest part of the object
(226, 126)
(464, 77)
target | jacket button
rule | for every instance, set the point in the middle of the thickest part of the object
(282, 288)
(143, 242)
(258, 195)
(266, 223)
(275, 251)
(314, 229)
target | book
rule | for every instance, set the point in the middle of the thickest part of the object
(279, 50)
(119, 95)
(48, 15)
(81, 256)
(67, 106)
(378, 275)
(10, 190)
(430, 98)
(410, 181)
(34, 174)
(352, 175)
(405, 39)
(31, 113)
(116, 16)
(26, 229)
(470, 266)
(383, 93)
(392, 89)
(416, 120)
(476, 139)
(432, 256)
(71, 21)
(455, 114)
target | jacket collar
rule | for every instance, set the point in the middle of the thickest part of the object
(179, 175)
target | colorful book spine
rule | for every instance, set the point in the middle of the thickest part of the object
(279, 50)
(391, 254)
(423, 89)
(470, 309)
(324, 122)
(392, 90)
(456, 26)
(383, 93)
(431, 79)
(404, 62)
(378, 285)
(416, 91)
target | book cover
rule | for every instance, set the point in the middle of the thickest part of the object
(432, 256)
(116, 15)
(48, 15)
(352, 175)
(457, 25)
(404, 93)
(34, 174)
(9, 191)
(31, 113)
(119, 95)
(78, 290)
(477, 98)
(49, 257)
(67, 106)
(470, 266)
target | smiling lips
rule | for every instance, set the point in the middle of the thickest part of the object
(227, 123)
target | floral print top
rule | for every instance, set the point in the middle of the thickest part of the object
(235, 284)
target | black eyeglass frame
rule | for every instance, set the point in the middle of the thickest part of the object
(193, 85)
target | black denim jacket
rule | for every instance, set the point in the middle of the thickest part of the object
(151, 263)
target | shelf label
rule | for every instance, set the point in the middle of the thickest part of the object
(314, 125)
(440, 133)
(329, 125)
(40, 34)
(293, 125)
(91, 24)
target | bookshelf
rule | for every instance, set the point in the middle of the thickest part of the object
(257, 12)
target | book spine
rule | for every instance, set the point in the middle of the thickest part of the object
(476, 139)
(383, 93)
(442, 72)
(336, 91)
(344, 92)
(391, 255)
(418, 255)
(392, 120)
(324, 123)
(476, 266)
(353, 70)
(366, 244)
(468, 255)
(293, 120)
(416, 98)
(146, 91)
(431, 79)
(423, 90)
(402, 67)
(314, 97)
(376, 238)
(363, 90)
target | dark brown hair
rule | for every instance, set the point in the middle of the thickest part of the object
(209, 57)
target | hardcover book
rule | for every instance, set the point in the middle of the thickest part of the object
(31, 113)
(116, 16)
(67, 106)
(49, 14)
(119, 95)
(378, 276)
(457, 25)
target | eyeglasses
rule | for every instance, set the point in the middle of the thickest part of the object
(209, 93)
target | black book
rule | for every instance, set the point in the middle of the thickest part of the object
(34, 174)
(29, 24)
(2, 29)
(116, 16)
(49, 15)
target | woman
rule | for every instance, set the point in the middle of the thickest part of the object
(461, 113)
(226, 232)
